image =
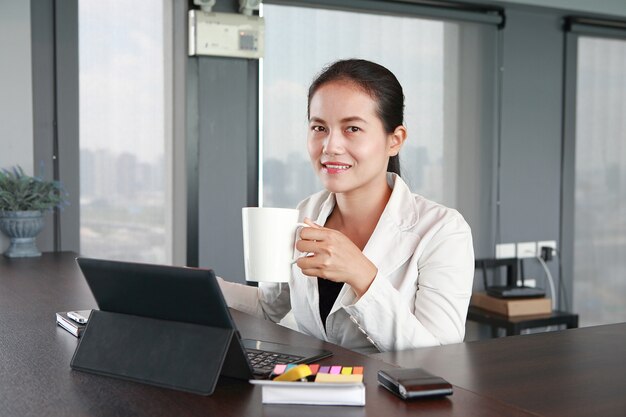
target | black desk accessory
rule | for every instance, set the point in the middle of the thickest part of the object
(160, 325)
(511, 289)
(413, 383)
(157, 325)
(169, 354)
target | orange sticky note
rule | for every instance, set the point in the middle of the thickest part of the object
(357, 370)
(314, 368)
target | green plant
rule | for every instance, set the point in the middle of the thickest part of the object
(21, 192)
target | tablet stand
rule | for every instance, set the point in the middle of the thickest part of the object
(170, 354)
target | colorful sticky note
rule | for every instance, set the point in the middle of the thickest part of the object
(324, 370)
(279, 369)
(295, 374)
(357, 370)
(338, 378)
(335, 370)
(347, 370)
(314, 368)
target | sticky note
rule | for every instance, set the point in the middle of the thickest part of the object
(338, 378)
(279, 369)
(335, 370)
(291, 365)
(314, 368)
(324, 370)
(346, 370)
(295, 373)
(358, 370)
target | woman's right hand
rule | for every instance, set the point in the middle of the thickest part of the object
(333, 256)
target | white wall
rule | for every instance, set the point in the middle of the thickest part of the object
(16, 93)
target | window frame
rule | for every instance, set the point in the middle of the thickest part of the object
(574, 28)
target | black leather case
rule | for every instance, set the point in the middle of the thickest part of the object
(413, 383)
(182, 356)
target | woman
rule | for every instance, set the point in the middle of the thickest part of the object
(385, 269)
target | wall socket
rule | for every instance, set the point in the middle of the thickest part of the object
(522, 249)
(505, 250)
(546, 243)
(526, 250)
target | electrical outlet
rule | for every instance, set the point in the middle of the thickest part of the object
(505, 250)
(526, 250)
(545, 243)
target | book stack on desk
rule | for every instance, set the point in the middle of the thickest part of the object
(512, 307)
(314, 385)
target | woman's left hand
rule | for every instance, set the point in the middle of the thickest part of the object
(333, 256)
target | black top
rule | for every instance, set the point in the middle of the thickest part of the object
(328, 290)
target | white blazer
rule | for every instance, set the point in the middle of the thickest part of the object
(425, 260)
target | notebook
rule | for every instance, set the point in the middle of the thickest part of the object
(189, 295)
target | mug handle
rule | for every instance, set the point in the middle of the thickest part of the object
(299, 226)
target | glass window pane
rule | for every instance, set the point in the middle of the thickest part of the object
(600, 189)
(122, 140)
(447, 73)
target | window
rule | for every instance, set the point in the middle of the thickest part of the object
(600, 182)
(124, 200)
(446, 70)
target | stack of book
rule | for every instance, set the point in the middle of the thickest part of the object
(512, 307)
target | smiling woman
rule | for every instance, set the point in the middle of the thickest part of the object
(355, 123)
(385, 269)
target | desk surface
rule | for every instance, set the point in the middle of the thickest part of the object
(35, 377)
(576, 372)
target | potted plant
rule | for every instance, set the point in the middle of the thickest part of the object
(23, 199)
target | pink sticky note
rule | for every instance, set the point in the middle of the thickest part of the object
(335, 369)
(279, 369)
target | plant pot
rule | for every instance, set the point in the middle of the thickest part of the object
(21, 227)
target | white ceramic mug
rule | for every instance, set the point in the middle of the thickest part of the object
(269, 238)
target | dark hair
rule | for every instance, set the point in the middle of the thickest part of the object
(375, 80)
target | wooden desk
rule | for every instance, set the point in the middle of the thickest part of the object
(36, 379)
(577, 372)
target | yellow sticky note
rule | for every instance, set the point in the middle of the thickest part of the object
(338, 378)
(346, 370)
(295, 374)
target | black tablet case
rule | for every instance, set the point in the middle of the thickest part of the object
(159, 325)
(169, 354)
